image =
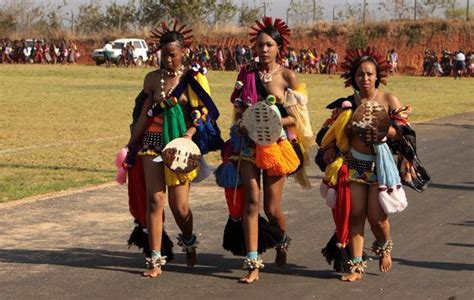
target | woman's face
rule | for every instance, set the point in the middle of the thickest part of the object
(172, 56)
(366, 76)
(266, 48)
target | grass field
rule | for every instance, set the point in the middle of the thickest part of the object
(62, 125)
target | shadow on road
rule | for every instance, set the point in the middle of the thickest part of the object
(465, 223)
(451, 187)
(438, 265)
(214, 265)
(460, 245)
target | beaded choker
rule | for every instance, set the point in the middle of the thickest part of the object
(175, 73)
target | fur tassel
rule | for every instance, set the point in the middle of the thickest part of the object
(331, 198)
(323, 190)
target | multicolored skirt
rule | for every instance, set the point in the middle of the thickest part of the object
(361, 167)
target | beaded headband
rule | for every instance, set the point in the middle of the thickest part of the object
(158, 33)
(355, 56)
(279, 25)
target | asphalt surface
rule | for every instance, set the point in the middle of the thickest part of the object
(74, 246)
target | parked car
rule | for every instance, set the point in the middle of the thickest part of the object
(139, 54)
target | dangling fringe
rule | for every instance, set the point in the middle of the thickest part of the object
(302, 178)
(268, 235)
(139, 238)
(288, 164)
(288, 161)
(227, 176)
(234, 239)
(268, 156)
(335, 254)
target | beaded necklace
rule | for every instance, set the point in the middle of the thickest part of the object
(267, 76)
(174, 74)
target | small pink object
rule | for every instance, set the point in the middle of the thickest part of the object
(121, 175)
(346, 104)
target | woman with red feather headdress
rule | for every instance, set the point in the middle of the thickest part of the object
(175, 103)
(246, 160)
(361, 178)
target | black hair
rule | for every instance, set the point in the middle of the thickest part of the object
(361, 60)
(273, 33)
(170, 37)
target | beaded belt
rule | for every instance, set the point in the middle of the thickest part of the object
(360, 165)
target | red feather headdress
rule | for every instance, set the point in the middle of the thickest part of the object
(353, 57)
(158, 33)
(279, 25)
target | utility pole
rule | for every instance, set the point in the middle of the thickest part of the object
(467, 11)
(120, 20)
(414, 17)
(314, 11)
(363, 12)
(264, 8)
(72, 23)
(333, 13)
(287, 14)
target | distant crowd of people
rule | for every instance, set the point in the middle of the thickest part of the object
(38, 51)
(456, 64)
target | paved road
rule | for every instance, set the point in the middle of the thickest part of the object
(74, 246)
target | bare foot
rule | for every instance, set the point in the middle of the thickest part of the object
(385, 263)
(191, 258)
(250, 277)
(351, 277)
(280, 258)
(152, 273)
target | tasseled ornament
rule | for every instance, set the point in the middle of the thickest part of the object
(227, 176)
(336, 254)
(121, 175)
(139, 238)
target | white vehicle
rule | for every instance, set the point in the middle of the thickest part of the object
(139, 54)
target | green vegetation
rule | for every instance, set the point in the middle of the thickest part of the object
(62, 125)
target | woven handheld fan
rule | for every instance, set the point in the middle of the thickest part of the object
(181, 155)
(263, 123)
(370, 122)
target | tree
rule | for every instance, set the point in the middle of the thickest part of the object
(351, 12)
(7, 22)
(224, 11)
(120, 17)
(150, 12)
(397, 9)
(90, 18)
(301, 12)
(248, 15)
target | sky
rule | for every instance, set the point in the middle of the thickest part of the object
(275, 8)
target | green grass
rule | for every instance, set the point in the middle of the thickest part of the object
(62, 125)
